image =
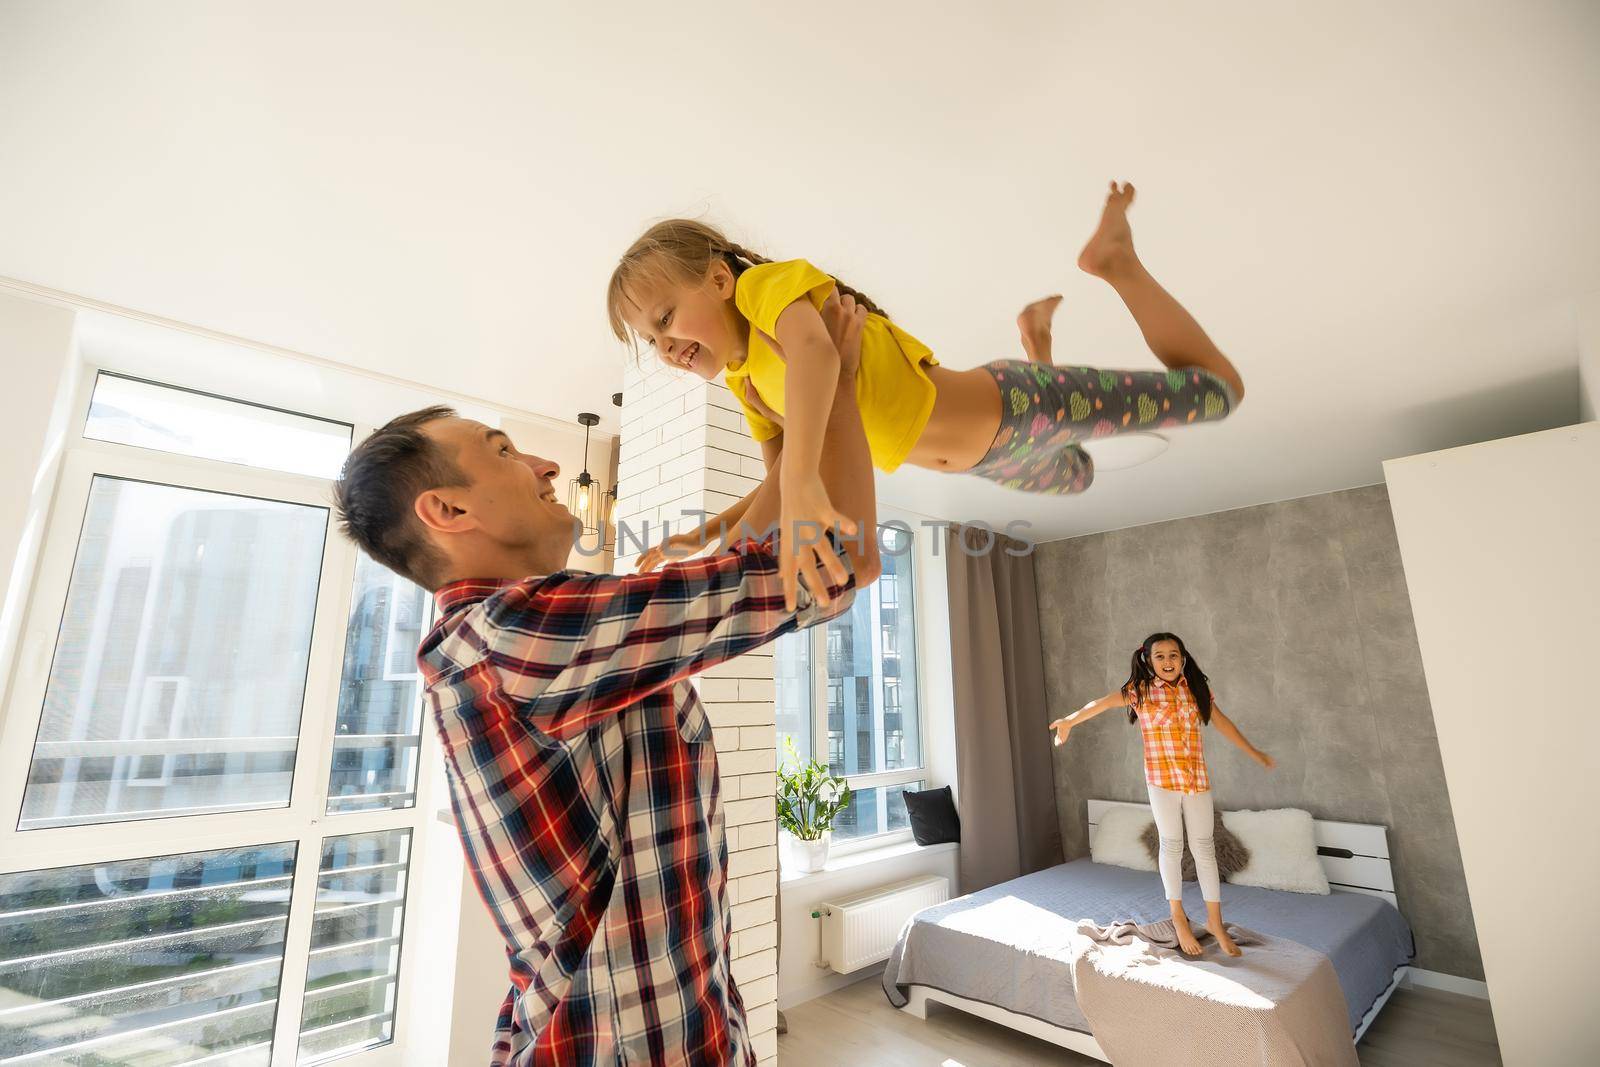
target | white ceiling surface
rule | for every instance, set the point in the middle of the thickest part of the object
(1385, 213)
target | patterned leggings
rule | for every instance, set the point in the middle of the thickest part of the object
(1046, 411)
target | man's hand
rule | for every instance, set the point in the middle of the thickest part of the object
(845, 320)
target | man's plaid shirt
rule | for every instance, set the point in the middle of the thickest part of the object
(585, 788)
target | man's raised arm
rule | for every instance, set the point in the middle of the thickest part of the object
(575, 648)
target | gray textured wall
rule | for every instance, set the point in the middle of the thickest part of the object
(1298, 612)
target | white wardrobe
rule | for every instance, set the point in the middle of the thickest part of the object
(1501, 544)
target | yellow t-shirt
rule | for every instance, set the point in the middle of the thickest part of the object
(893, 390)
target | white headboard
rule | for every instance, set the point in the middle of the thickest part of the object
(1354, 855)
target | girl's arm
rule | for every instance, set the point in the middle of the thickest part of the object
(716, 528)
(1063, 726)
(772, 449)
(811, 380)
(811, 374)
(681, 545)
(846, 466)
(1226, 727)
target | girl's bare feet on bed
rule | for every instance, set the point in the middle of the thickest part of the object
(1180, 926)
(1221, 934)
(1110, 248)
(1034, 322)
(1219, 931)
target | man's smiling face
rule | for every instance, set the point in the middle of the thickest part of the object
(510, 495)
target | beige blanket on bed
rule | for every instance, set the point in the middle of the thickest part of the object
(1278, 1005)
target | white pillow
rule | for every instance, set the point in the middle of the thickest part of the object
(1283, 850)
(1116, 839)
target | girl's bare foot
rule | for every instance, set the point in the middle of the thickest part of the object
(1110, 248)
(1186, 941)
(1034, 322)
(1220, 932)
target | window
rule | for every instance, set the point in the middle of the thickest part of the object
(183, 646)
(874, 810)
(860, 669)
(378, 731)
(355, 945)
(133, 412)
(160, 717)
(170, 959)
(211, 770)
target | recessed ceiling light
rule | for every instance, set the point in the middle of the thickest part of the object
(1121, 451)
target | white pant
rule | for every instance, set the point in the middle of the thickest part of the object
(1172, 810)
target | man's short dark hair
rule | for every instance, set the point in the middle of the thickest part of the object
(377, 491)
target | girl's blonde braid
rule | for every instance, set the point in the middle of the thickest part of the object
(739, 252)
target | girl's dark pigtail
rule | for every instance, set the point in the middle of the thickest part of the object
(1199, 685)
(1138, 684)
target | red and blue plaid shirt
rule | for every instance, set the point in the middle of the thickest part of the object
(585, 789)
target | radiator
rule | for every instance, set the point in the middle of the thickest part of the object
(862, 930)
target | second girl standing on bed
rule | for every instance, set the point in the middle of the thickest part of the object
(1169, 697)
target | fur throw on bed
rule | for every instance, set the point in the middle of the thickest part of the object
(1231, 853)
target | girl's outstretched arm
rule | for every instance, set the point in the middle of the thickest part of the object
(811, 381)
(1226, 727)
(717, 527)
(714, 530)
(810, 375)
(1063, 726)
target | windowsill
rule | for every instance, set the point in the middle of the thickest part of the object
(854, 861)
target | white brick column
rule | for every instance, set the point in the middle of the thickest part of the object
(684, 447)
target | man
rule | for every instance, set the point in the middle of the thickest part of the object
(579, 758)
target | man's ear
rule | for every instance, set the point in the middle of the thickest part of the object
(438, 509)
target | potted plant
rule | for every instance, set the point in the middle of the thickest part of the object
(809, 799)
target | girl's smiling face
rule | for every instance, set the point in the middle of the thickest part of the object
(1166, 659)
(693, 327)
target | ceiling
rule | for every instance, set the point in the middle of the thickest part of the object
(1386, 214)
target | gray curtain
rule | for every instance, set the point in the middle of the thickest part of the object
(1007, 793)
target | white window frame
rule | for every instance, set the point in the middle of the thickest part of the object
(304, 821)
(818, 636)
(392, 638)
(180, 704)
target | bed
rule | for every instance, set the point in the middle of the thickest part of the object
(1000, 953)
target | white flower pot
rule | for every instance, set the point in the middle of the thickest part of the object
(808, 857)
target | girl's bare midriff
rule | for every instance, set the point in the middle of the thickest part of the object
(966, 416)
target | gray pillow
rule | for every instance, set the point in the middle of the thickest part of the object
(1231, 853)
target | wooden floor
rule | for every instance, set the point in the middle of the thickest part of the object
(856, 1027)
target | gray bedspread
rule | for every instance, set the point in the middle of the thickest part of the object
(1008, 945)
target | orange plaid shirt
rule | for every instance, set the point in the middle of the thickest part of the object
(1174, 753)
